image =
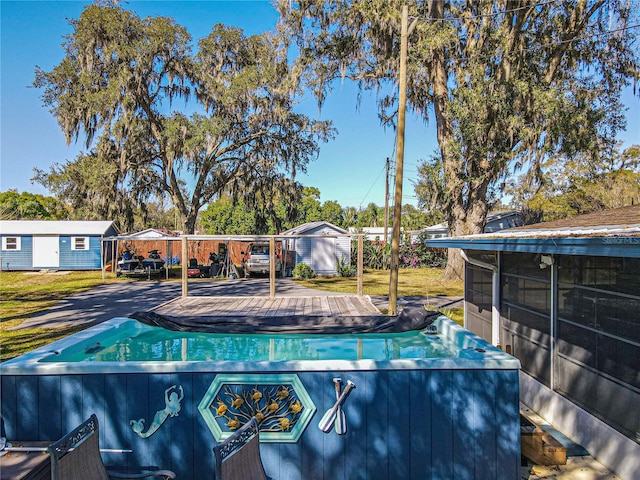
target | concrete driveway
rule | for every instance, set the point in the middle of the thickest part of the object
(123, 298)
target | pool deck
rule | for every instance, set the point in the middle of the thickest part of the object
(344, 305)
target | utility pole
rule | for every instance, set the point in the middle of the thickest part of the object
(386, 204)
(397, 205)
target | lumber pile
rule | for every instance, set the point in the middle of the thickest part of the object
(539, 446)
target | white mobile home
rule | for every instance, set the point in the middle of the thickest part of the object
(495, 222)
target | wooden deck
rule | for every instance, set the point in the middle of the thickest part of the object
(343, 305)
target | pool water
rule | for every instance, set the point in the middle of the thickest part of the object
(149, 343)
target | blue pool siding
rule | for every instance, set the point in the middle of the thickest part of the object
(411, 424)
(433, 418)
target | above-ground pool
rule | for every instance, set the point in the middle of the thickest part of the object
(425, 406)
(131, 341)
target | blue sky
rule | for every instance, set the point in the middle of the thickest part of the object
(349, 169)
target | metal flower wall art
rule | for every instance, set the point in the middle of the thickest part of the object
(276, 407)
(279, 402)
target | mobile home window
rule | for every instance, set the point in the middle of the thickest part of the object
(79, 243)
(11, 243)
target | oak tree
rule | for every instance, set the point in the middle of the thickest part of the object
(509, 83)
(118, 89)
(581, 185)
(30, 206)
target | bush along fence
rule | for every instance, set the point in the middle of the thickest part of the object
(377, 255)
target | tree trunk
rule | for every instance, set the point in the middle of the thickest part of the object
(189, 224)
(455, 265)
(464, 221)
(444, 129)
(466, 206)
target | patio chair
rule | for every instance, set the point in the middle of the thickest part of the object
(238, 457)
(76, 456)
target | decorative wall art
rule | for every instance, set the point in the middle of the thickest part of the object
(172, 408)
(280, 403)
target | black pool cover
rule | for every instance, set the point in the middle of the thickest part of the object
(408, 319)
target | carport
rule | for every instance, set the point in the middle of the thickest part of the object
(185, 241)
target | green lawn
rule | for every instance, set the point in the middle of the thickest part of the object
(25, 294)
(412, 282)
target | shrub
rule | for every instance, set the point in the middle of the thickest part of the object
(377, 255)
(414, 255)
(303, 271)
(344, 268)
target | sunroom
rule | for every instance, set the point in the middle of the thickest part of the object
(564, 298)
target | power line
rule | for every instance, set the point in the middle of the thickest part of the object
(494, 14)
(372, 185)
(602, 34)
(488, 55)
(528, 7)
